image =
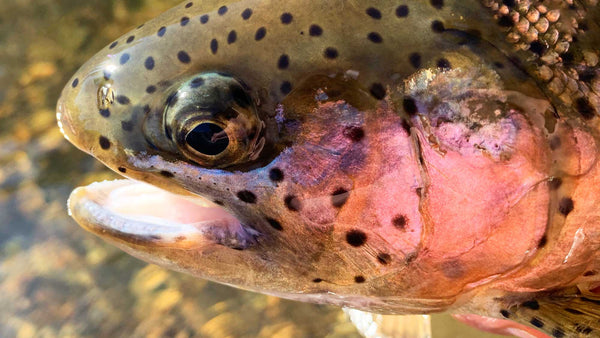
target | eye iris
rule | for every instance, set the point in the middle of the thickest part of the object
(208, 139)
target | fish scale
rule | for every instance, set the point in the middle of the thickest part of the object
(393, 157)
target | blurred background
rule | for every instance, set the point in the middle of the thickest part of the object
(56, 280)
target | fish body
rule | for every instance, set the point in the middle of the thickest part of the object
(394, 158)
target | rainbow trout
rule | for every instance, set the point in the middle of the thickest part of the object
(397, 157)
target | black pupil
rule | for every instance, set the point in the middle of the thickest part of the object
(208, 139)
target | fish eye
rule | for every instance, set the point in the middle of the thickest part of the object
(213, 121)
(208, 138)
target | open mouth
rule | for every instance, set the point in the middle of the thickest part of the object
(141, 214)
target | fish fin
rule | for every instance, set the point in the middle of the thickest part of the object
(373, 325)
(559, 316)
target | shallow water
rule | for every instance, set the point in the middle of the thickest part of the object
(55, 278)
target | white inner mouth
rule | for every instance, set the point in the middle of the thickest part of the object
(136, 211)
(143, 202)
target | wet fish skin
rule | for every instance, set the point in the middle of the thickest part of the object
(457, 172)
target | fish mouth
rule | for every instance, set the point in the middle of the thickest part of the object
(136, 213)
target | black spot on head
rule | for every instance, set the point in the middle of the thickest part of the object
(378, 91)
(317, 280)
(149, 63)
(589, 273)
(197, 82)
(231, 37)
(339, 197)
(204, 19)
(555, 183)
(535, 321)
(505, 21)
(537, 47)
(555, 143)
(75, 83)
(184, 21)
(276, 175)
(124, 58)
(113, 45)
(222, 10)
(246, 14)
(402, 11)
(246, 196)
(373, 12)
(531, 304)
(183, 57)
(584, 108)
(437, 4)
(283, 62)
(356, 237)
(505, 313)
(315, 30)
(189, 4)
(330, 53)
(214, 46)
(415, 60)
(565, 206)
(384, 258)
(375, 37)
(292, 203)
(443, 63)
(104, 142)
(130, 39)
(509, 3)
(498, 65)
(104, 112)
(122, 169)
(558, 332)
(359, 279)
(354, 133)
(543, 242)
(127, 125)
(275, 224)
(260, 33)
(166, 174)
(437, 26)
(399, 222)
(285, 88)
(286, 18)
(122, 99)
(150, 89)
(161, 31)
(410, 106)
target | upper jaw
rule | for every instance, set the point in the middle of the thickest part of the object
(136, 213)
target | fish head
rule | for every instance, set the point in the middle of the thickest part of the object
(245, 189)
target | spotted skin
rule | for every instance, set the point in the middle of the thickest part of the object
(395, 157)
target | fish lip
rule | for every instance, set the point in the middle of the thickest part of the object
(139, 214)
